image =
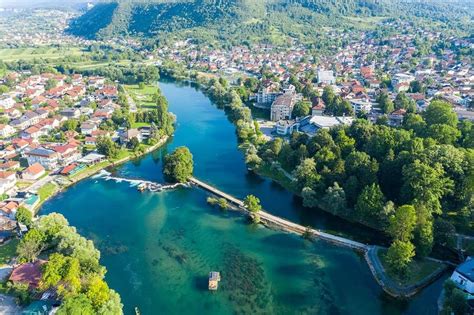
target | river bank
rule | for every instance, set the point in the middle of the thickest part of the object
(168, 242)
(92, 170)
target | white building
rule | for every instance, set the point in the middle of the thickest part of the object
(266, 96)
(326, 77)
(362, 105)
(463, 276)
(327, 122)
(400, 78)
(6, 131)
(6, 101)
(286, 127)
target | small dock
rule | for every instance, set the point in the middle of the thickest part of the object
(214, 279)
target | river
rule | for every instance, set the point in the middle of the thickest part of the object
(159, 247)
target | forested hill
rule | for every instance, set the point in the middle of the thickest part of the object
(251, 20)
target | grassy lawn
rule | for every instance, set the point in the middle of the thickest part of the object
(267, 171)
(12, 54)
(8, 251)
(23, 184)
(47, 191)
(417, 270)
(143, 97)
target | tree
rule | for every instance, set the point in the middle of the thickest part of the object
(98, 292)
(385, 103)
(301, 109)
(178, 166)
(402, 223)
(134, 144)
(455, 301)
(370, 203)
(107, 147)
(417, 87)
(305, 174)
(252, 204)
(440, 112)
(399, 255)
(426, 184)
(334, 200)
(402, 101)
(24, 216)
(76, 305)
(328, 95)
(31, 245)
(70, 124)
(50, 84)
(424, 238)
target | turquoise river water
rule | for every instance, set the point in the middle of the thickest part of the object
(159, 247)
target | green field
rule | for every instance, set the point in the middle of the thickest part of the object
(46, 191)
(142, 97)
(417, 270)
(13, 54)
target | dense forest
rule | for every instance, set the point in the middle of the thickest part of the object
(237, 21)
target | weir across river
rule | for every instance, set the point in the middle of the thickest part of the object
(272, 220)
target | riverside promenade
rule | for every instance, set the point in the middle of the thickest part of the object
(274, 221)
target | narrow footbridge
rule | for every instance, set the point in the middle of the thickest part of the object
(272, 220)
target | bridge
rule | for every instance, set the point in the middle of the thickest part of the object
(275, 221)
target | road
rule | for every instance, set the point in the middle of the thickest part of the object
(40, 183)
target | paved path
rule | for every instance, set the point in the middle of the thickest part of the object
(390, 286)
(40, 183)
(270, 219)
(131, 103)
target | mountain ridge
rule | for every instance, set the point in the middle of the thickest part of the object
(225, 19)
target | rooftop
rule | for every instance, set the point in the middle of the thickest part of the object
(467, 269)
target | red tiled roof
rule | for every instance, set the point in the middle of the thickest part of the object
(34, 169)
(29, 273)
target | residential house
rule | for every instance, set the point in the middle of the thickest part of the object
(28, 273)
(129, 134)
(10, 165)
(395, 119)
(6, 101)
(6, 131)
(49, 159)
(8, 209)
(326, 77)
(87, 128)
(463, 276)
(33, 172)
(67, 153)
(70, 113)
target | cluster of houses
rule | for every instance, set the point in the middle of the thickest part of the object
(33, 140)
(27, 27)
(358, 71)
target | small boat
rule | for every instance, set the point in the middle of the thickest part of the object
(214, 278)
(137, 311)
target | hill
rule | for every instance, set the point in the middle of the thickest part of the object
(251, 20)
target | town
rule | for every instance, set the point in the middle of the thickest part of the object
(304, 114)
